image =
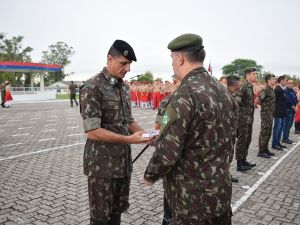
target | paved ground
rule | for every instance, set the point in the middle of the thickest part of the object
(41, 180)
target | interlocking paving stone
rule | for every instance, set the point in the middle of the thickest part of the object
(49, 187)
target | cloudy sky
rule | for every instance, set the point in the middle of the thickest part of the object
(267, 31)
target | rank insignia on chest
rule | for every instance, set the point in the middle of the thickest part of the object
(127, 92)
(112, 81)
(166, 119)
(107, 87)
(110, 94)
(109, 116)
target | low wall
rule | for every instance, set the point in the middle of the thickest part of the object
(37, 96)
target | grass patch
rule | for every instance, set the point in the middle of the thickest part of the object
(65, 96)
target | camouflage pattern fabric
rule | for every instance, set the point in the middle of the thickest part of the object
(3, 93)
(236, 120)
(245, 97)
(162, 109)
(268, 103)
(108, 196)
(73, 97)
(105, 103)
(193, 149)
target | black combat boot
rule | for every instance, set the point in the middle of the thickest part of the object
(2, 105)
(249, 164)
(269, 153)
(263, 154)
(95, 222)
(234, 180)
(114, 220)
(297, 130)
(241, 166)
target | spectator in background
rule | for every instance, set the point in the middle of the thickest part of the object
(297, 116)
(8, 97)
(291, 109)
(279, 114)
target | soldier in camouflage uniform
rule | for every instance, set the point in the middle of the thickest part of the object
(232, 87)
(72, 90)
(195, 141)
(106, 111)
(3, 94)
(267, 100)
(245, 98)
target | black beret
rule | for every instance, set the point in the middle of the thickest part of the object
(124, 49)
(233, 77)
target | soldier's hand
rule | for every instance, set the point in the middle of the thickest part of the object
(137, 138)
(147, 182)
(152, 141)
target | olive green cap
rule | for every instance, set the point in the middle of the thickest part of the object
(186, 42)
(249, 70)
(233, 77)
(270, 75)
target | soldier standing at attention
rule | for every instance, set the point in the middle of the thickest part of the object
(156, 94)
(174, 86)
(232, 86)
(245, 97)
(162, 91)
(199, 114)
(3, 94)
(106, 112)
(144, 94)
(72, 93)
(150, 94)
(267, 100)
(138, 93)
(168, 90)
(133, 94)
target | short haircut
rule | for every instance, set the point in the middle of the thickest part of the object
(194, 57)
(281, 78)
(267, 78)
(231, 82)
(113, 53)
(245, 73)
(72, 82)
(289, 79)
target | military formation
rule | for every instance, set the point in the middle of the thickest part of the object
(201, 122)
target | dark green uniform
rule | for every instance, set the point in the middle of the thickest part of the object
(105, 103)
(268, 103)
(245, 97)
(72, 88)
(236, 119)
(3, 93)
(193, 149)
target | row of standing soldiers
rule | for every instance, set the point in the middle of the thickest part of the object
(150, 95)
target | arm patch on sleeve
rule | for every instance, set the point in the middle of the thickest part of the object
(169, 116)
(89, 85)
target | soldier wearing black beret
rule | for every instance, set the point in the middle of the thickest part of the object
(106, 112)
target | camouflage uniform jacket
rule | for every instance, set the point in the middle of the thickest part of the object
(72, 88)
(245, 97)
(162, 109)
(193, 148)
(105, 103)
(268, 101)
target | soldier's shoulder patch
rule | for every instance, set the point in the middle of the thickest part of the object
(169, 116)
(165, 100)
(89, 85)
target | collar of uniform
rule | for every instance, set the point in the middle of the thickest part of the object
(110, 78)
(192, 73)
(230, 92)
(251, 85)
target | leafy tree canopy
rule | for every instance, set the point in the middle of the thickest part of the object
(237, 67)
(58, 54)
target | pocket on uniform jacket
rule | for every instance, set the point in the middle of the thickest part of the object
(110, 110)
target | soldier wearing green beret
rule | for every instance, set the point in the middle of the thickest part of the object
(107, 120)
(195, 141)
(245, 98)
(233, 83)
(267, 100)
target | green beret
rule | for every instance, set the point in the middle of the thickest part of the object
(186, 43)
(249, 70)
(233, 77)
(270, 75)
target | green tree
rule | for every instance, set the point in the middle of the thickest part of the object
(159, 79)
(148, 76)
(237, 67)
(12, 50)
(58, 54)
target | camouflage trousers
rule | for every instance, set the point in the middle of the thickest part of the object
(108, 196)
(244, 140)
(73, 97)
(265, 131)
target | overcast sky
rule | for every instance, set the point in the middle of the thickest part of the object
(265, 31)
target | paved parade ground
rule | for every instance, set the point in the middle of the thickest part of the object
(42, 181)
